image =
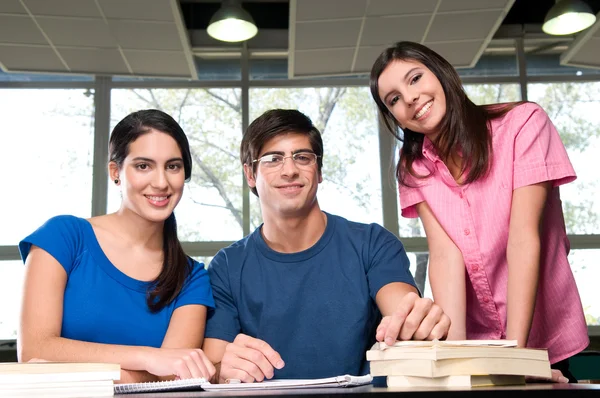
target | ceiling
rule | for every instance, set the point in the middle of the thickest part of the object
(166, 38)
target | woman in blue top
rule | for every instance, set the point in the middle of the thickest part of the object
(119, 288)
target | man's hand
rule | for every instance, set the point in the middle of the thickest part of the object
(414, 318)
(249, 359)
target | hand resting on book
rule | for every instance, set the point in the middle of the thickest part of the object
(414, 318)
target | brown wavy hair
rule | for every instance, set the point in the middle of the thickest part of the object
(465, 125)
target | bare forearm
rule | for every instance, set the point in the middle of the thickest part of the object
(136, 376)
(523, 270)
(447, 279)
(67, 350)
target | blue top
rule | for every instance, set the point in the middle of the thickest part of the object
(316, 307)
(101, 303)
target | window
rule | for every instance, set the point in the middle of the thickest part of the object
(573, 108)
(584, 264)
(347, 120)
(11, 286)
(46, 155)
(211, 207)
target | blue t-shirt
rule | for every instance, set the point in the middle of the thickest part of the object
(316, 307)
(101, 303)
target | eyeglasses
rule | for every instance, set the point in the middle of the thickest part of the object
(275, 161)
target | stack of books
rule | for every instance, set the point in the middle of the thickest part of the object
(59, 379)
(466, 363)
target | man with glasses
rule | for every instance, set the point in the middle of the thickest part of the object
(303, 295)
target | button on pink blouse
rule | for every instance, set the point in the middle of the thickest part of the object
(526, 150)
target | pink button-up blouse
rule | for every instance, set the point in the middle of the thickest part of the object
(526, 150)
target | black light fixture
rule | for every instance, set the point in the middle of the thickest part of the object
(567, 17)
(232, 23)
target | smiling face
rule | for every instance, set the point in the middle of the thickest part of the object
(289, 190)
(413, 95)
(151, 177)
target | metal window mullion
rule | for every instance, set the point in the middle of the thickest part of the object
(522, 67)
(101, 136)
(245, 67)
(389, 201)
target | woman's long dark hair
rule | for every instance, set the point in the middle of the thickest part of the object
(176, 264)
(465, 125)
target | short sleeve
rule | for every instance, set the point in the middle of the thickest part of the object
(539, 154)
(223, 322)
(60, 236)
(387, 261)
(197, 289)
(409, 197)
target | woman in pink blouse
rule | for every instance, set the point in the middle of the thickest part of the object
(485, 182)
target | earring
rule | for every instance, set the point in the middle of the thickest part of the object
(116, 180)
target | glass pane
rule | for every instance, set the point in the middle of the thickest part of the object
(549, 64)
(11, 286)
(492, 65)
(204, 260)
(347, 119)
(46, 154)
(573, 108)
(211, 207)
(482, 94)
(420, 260)
(43, 77)
(584, 264)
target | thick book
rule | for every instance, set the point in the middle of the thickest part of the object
(455, 358)
(202, 384)
(64, 379)
(455, 381)
(460, 366)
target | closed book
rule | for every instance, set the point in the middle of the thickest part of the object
(455, 381)
(58, 379)
(460, 366)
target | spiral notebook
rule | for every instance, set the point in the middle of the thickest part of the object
(202, 384)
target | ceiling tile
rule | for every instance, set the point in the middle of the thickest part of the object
(366, 57)
(400, 7)
(77, 32)
(461, 26)
(461, 54)
(323, 62)
(134, 35)
(29, 58)
(379, 31)
(150, 10)
(156, 63)
(19, 29)
(471, 5)
(331, 34)
(312, 10)
(12, 7)
(588, 54)
(99, 61)
(65, 8)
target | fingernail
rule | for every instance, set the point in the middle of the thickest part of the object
(389, 341)
(280, 364)
(563, 379)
